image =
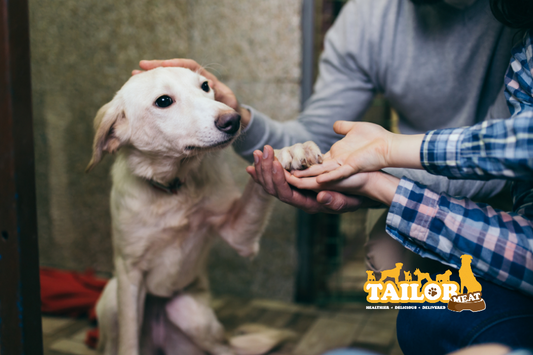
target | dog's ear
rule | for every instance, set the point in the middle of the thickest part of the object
(111, 125)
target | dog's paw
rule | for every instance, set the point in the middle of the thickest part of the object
(299, 156)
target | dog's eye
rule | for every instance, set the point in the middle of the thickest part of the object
(163, 101)
(205, 86)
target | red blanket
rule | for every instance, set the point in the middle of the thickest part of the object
(71, 293)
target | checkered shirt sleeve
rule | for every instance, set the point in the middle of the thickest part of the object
(519, 78)
(496, 148)
(443, 228)
(488, 150)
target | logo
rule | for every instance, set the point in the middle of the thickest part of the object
(441, 290)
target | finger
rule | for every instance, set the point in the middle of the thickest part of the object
(314, 170)
(336, 202)
(303, 183)
(341, 172)
(305, 200)
(251, 170)
(283, 190)
(135, 72)
(343, 127)
(266, 169)
(177, 62)
(150, 64)
(258, 156)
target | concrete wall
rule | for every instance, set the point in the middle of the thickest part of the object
(83, 51)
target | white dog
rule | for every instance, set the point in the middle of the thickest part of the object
(172, 194)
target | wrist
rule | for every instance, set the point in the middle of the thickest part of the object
(404, 151)
(246, 116)
(382, 188)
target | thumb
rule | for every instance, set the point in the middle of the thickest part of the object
(337, 202)
(343, 127)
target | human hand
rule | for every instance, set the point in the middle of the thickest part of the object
(376, 185)
(222, 92)
(365, 147)
(269, 173)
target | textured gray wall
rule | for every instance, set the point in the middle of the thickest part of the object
(83, 51)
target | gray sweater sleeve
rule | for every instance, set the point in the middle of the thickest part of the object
(344, 90)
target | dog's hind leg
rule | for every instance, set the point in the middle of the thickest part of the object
(177, 343)
(190, 312)
(106, 312)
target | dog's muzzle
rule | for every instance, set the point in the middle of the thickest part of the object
(228, 122)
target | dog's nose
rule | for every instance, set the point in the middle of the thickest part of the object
(228, 122)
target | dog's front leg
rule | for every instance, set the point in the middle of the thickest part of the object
(131, 294)
(246, 220)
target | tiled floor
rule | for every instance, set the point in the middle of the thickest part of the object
(317, 329)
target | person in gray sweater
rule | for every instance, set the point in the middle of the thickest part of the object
(439, 64)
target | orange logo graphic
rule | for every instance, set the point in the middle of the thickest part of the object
(441, 290)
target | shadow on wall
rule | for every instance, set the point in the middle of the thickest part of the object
(82, 52)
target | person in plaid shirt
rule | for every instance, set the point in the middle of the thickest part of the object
(443, 227)
(440, 226)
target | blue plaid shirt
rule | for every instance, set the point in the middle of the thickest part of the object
(441, 227)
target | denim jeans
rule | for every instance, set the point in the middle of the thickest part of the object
(507, 319)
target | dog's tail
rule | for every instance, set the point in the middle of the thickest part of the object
(257, 339)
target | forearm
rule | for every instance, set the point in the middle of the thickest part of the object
(443, 228)
(473, 189)
(246, 116)
(404, 151)
(492, 149)
(262, 130)
(381, 188)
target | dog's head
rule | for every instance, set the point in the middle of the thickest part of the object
(399, 265)
(407, 273)
(165, 111)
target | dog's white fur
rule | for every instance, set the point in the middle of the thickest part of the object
(158, 301)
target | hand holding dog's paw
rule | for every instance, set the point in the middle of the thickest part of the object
(299, 156)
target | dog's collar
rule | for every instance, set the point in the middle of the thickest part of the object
(171, 189)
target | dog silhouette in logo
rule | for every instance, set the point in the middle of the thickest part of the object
(468, 280)
(408, 277)
(371, 276)
(422, 276)
(393, 273)
(444, 277)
